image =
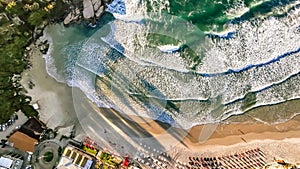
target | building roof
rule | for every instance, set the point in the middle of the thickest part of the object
(8, 162)
(33, 128)
(5, 162)
(23, 141)
(73, 158)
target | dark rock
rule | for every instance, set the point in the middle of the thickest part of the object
(73, 16)
(99, 12)
(44, 46)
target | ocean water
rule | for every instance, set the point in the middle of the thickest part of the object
(183, 62)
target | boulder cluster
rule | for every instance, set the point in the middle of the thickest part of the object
(89, 10)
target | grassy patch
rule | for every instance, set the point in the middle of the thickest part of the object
(48, 156)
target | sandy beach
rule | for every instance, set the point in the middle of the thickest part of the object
(124, 134)
(54, 99)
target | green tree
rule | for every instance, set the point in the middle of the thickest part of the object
(29, 111)
(36, 18)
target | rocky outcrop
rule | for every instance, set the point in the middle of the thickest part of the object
(91, 10)
(96, 4)
(43, 46)
(17, 21)
(73, 16)
(99, 11)
(3, 18)
(88, 9)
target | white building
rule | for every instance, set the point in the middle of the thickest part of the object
(7, 162)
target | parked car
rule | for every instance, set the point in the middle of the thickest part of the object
(29, 157)
(4, 126)
(9, 122)
(29, 167)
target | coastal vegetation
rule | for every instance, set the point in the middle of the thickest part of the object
(109, 159)
(19, 21)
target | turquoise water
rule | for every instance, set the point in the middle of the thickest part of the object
(210, 15)
(184, 62)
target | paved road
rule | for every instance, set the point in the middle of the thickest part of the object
(21, 120)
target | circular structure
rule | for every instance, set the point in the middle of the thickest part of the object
(46, 154)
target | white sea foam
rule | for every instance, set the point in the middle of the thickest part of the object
(146, 70)
(50, 61)
(252, 45)
(126, 10)
(263, 42)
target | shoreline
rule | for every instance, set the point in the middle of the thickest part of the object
(58, 109)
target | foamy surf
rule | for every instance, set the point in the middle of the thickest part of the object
(248, 65)
(50, 61)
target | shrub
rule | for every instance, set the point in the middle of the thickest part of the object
(29, 111)
(36, 18)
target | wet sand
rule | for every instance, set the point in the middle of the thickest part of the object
(61, 105)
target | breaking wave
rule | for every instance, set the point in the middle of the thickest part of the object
(184, 73)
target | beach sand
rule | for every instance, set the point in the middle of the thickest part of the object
(54, 99)
(61, 105)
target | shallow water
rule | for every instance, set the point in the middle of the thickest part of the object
(230, 57)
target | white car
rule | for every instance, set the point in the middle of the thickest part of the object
(28, 167)
(4, 127)
(29, 157)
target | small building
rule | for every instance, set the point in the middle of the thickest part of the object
(8, 162)
(33, 128)
(28, 136)
(22, 141)
(74, 158)
(36, 106)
